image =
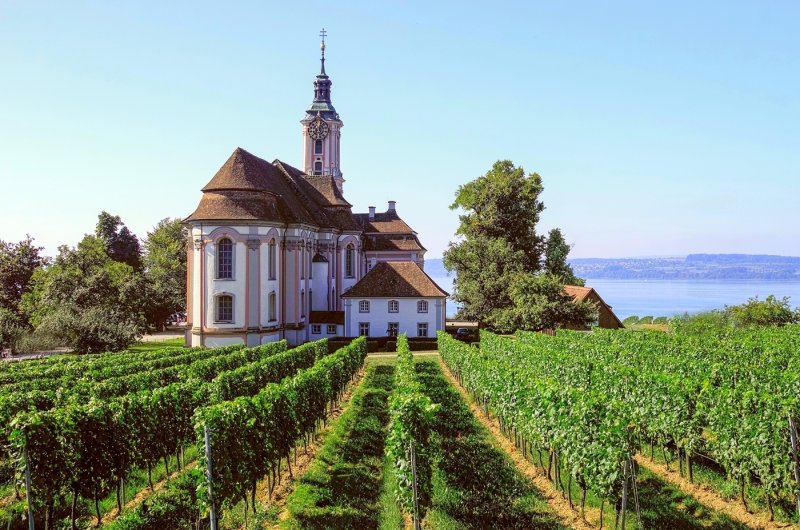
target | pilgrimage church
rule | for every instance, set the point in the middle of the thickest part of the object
(277, 252)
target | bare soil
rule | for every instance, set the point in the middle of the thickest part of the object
(558, 504)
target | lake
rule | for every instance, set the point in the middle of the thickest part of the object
(671, 297)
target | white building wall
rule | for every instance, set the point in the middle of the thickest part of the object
(379, 316)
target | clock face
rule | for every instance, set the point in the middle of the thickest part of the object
(318, 129)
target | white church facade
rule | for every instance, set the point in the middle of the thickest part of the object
(276, 252)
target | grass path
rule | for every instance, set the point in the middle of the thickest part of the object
(710, 498)
(560, 505)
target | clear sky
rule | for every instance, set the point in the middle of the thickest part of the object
(659, 128)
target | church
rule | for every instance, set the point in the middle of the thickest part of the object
(276, 252)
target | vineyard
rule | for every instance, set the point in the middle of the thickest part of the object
(581, 430)
(78, 428)
(586, 407)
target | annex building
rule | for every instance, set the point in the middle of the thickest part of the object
(276, 251)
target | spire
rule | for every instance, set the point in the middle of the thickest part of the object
(322, 106)
(322, 34)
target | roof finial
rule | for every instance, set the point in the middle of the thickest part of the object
(323, 34)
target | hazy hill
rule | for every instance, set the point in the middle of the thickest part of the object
(691, 267)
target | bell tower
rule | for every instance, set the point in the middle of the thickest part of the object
(322, 128)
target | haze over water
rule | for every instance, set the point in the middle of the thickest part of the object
(671, 297)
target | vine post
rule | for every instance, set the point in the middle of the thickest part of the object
(28, 496)
(793, 439)
(414, 486)
(213, 509)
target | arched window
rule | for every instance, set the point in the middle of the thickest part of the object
(273, 307)
(302, 304)
(272, 259)
(302, 263)
(422, 306)
(318, 147)
(225, 259)
(394, 306)
(349, 261)
(224, 312)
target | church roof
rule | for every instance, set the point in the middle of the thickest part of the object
(247, 187)
(386, 223)
(395, 279)
(389, 242)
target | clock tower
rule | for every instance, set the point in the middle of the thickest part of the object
(322, 129)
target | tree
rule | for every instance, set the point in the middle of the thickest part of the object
(165, 271)
(540, 303)
(555, 258)
(121, 244)
(91, 301)
(499, 258)
(18, 261)
(770, 312)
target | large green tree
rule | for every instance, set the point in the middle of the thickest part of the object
(89, 300)
(18, 261)
(499, 257)
(165, 271)
(121, 244)
(555, 258)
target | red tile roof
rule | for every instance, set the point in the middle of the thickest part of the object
(396, 279)
(326, 317)
(386, 223)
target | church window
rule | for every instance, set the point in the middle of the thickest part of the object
(363, 306)
(318, 167)
(422, 329)
(302, 263)
(349, 261)
(225, 259)
(422, 306)
(394, 306)
(363, 329)
(224, 311)
(272, 259)
(302, 304)
(273, 307)
(316, 329)
(317, 147)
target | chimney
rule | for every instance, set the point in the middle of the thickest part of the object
(371, 213)
(391, 205)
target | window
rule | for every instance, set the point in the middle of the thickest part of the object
(302, 304)
(394, 327)
(394, 306)
(316, 329)
(225, 259)
(224, 308)
(273, 313)
(422, 329)
(349, 262)
(302, 264)
(318, 147)
(272, 259)
(363, 306)
(318, 167)
(422, 306)
(311, 266)
(331, 329)
(363, 329)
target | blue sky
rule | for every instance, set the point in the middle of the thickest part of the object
(659, 128)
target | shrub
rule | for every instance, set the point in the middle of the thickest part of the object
(646, 320)
(633, 319)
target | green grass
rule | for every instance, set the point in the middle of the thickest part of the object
(475, 485)
(390, 517)
(708, 474)
(140, 347)
(342, 486)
